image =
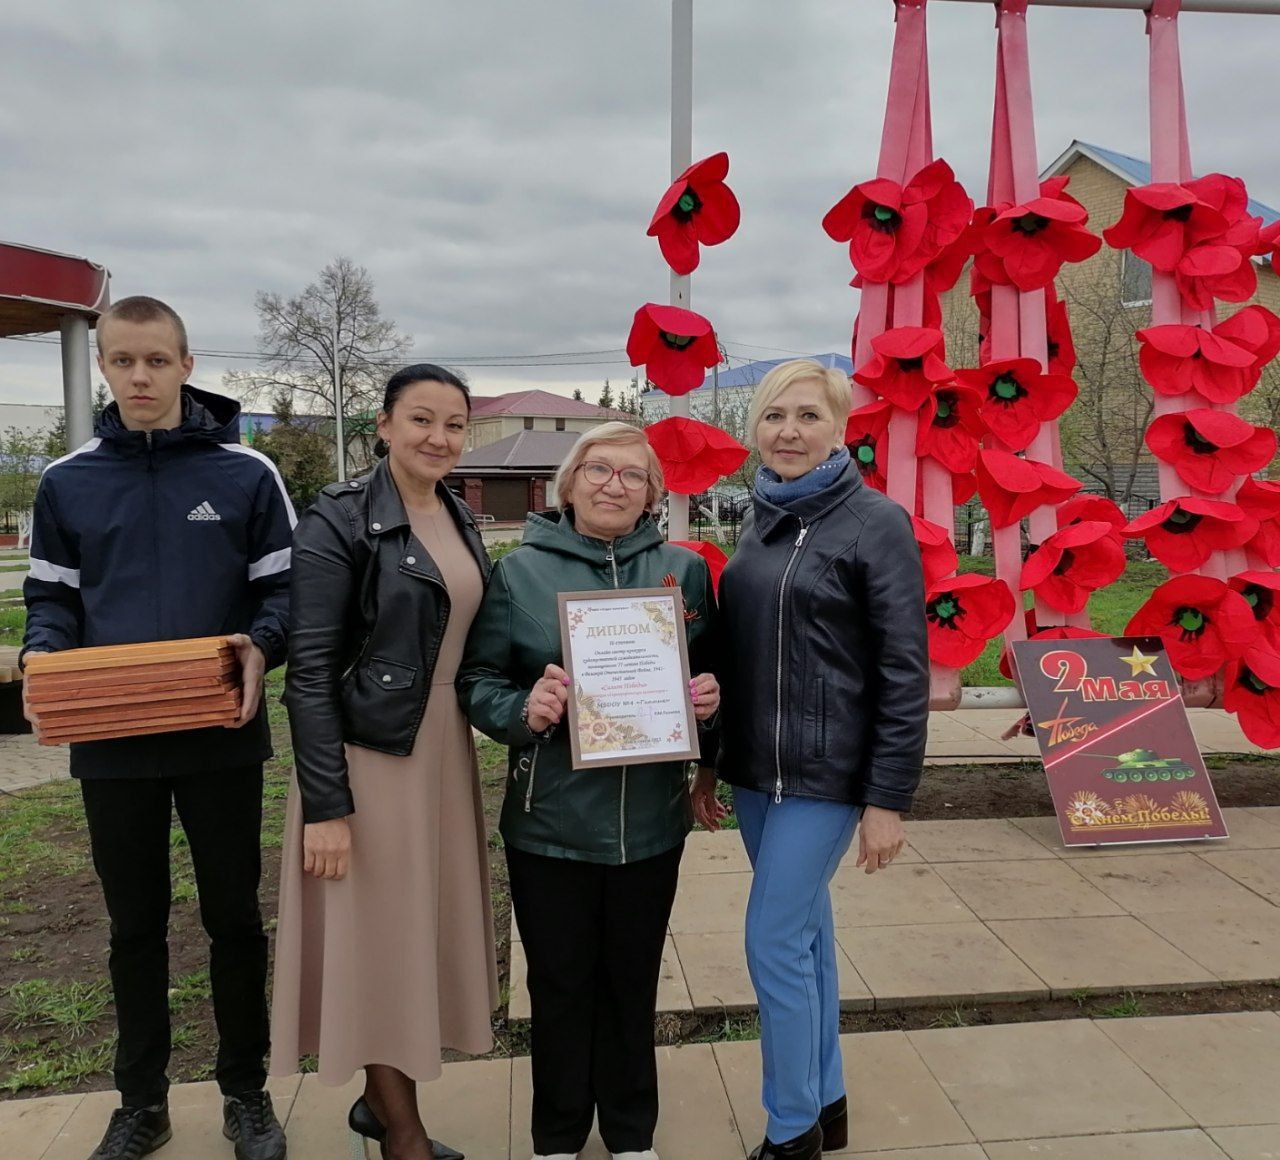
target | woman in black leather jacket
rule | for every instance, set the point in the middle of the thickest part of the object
(384, 950)
(825, 695)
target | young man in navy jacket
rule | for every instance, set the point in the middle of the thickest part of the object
(161, 527)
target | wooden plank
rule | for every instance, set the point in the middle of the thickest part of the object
(109, 678)
(139, 714)
(177, 725)
(127, 695)
(127, 655)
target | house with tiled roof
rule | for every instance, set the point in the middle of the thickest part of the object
(1108, 299)
(498, 417)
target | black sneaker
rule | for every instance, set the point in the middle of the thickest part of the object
(251, 1122)
(134, 1132)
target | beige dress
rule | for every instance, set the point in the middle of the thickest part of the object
(396, 961)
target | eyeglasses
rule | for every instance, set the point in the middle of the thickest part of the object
(599, 474)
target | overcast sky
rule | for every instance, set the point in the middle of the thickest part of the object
(494, 164)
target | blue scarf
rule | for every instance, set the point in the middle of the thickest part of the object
(782, 492)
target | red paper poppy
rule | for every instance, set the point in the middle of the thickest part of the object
(965, 612)
(894, 231)
(1054, 632)
(1062, 348)
(1260, 500)
(712, 553)
(698, 209)
(1261, 592)
(694, 455)
(1221, 364)
(675, 346)
(1017, 397)
(866, 434)
(1026, 245)
(1252, 692)
(964, 486)
(1183, 533)
(1210, 449)
(951, 427)
(1161, 222)
(1219, 270)
(937, 553)
(1066, 568)
(1202, 623)
(906, 365)
(1093, 508)
(1012, 487)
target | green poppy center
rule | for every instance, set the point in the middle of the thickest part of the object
(881, 218)
(676, 341)
(1030, 224)
(686, 206)
(945, 610)
(1180, 523)
(1253, 682)
(866, 454)
(1197, 442)
(1006, 387)
(1190, 620)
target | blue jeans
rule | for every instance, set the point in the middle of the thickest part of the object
(795, 846)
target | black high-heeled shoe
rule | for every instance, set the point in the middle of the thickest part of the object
(834, 1122)
(366, 1126)
(806, 1146)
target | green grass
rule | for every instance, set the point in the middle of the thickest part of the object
(1110, 610)
(30, 823)
(1129, 1007)
(71, 1007)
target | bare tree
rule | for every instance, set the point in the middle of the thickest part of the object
(1102, 433)
(1261, 406)
(297, 338)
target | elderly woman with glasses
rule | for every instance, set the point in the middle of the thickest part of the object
(593, 855)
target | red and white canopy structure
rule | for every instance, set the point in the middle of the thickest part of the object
(42, 291)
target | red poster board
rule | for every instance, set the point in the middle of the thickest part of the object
(1122, 762)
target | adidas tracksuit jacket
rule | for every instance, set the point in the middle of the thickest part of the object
(143, 536)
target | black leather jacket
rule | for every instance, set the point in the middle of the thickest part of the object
(825, 682)
(369, 608)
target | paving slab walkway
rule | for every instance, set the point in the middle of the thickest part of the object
(1197, 1087)
(992, 910)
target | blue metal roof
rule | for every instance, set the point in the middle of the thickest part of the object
(751, 373)
(1140, 172)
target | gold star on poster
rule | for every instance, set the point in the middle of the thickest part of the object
(1138, 663)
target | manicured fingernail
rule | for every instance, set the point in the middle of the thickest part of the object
(566, 682)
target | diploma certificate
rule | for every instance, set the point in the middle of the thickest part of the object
(627, 658)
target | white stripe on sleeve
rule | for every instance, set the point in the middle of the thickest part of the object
(54, 573)
(270, 565)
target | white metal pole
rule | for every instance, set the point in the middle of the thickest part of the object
(681, 159)
(1241, 7)
(77, 386)
(337, 404)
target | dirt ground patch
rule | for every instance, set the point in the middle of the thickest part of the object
(55, 1007)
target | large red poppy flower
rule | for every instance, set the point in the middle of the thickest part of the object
(712, 553)
(1260, 499)
(1183, 533)
(937, 553)
(1017, 397)
(1221, 364)
(1252, 692)
(895, 231)
(1261, 592)
(1026, 245)
(866, 434)
(906, 365)
(675, 346)
(694, 455)
(965, 612)
(1093, 508)
(1218, 270)
(698, 209)
(1066, 568)
(1053, 632)
(1161, 222)
(1202, 623)
(1012, 487)
(951, 427)
(1210, 449)
(1062, 348)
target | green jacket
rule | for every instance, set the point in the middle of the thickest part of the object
(610, 815)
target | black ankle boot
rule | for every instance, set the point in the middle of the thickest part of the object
(362, 1121)
(834, 1121)
(806, 1146)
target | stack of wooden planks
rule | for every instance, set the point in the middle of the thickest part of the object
(91, 694)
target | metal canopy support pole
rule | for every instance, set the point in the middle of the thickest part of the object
(1241, 7)
(681, 159)
(77, 387)
(337, 406)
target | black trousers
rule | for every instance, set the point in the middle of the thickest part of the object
(593, 939)
(129, 820)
